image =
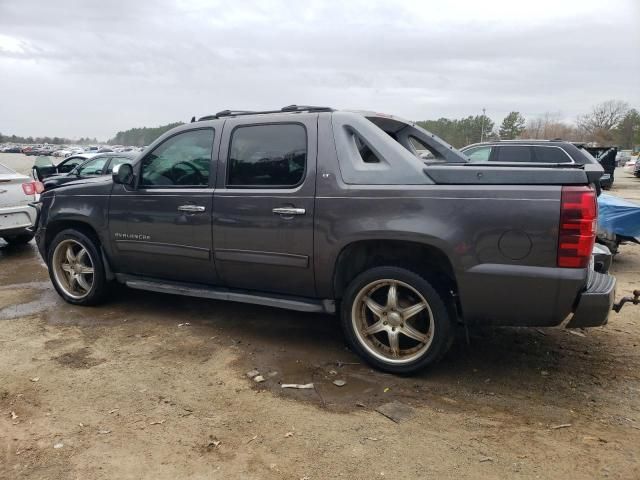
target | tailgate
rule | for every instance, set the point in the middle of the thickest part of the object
(499, 173)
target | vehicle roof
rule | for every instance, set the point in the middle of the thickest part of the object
(113, 154)
(87, 155)
(523, 141)
(389, 123)
(298, 109)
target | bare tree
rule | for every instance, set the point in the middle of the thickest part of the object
(550, 126)
(603, 117)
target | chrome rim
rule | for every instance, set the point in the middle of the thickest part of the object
(73, 269)
(392, 321)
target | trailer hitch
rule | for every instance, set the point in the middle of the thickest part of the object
(635, 300)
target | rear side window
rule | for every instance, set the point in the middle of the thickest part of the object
(551, 155)
(365, 152)
(514, 153)
(267, 156)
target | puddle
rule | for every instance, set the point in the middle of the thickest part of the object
(21, 264)
(26, 299)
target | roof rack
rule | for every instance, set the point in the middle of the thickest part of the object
(287, 109)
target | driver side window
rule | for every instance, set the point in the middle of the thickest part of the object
(182, 160)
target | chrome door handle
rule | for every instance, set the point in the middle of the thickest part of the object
(191, 208)
(289, 211)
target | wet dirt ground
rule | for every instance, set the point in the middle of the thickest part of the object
(155, 386)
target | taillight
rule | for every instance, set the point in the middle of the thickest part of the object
(32, 188)
(578, 219)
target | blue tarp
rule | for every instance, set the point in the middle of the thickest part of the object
(619, 216)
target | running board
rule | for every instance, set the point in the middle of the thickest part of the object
(300, 304)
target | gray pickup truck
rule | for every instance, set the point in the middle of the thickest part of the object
(318, 210)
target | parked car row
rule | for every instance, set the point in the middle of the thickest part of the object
(11, 149)
(65, 151)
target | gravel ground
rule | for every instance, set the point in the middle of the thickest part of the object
(154, 386)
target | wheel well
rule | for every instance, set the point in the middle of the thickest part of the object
(425, 260)
(56, 227)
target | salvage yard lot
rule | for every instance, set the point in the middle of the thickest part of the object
(155, 386)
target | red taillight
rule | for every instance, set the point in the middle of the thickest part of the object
(578, 219)
(32, 188)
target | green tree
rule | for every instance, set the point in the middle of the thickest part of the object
(627, 133)
(460, 132)
(141, 136)
(512, 126)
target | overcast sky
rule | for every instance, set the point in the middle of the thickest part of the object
(91, 68)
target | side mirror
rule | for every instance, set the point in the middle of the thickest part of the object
(123, 174)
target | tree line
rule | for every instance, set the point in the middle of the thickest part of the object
(609, 123)
(141, 136)
(49, 140)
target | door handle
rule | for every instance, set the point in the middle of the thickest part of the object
(289, 211)
(191, 208)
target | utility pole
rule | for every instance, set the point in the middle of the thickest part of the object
(482, 128)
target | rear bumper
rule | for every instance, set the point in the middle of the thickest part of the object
(15, 219)
(594, 304)
(524, 296)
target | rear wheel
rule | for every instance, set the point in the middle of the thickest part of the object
(76, 268)
(396, 320)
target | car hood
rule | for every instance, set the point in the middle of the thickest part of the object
(82, 182)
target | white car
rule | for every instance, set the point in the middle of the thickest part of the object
(630, 166)
(16, 215)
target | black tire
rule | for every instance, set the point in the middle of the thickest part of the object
(99, 285)
(441, 324)
(20, 239)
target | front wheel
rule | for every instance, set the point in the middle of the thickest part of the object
(396, 320)
(76, 268)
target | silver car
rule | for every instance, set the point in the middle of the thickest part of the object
(17, 217)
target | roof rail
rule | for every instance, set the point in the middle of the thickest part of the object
(287, 109)
(306, 108)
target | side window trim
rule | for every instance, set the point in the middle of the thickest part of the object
(212, 167)
(264, 187)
